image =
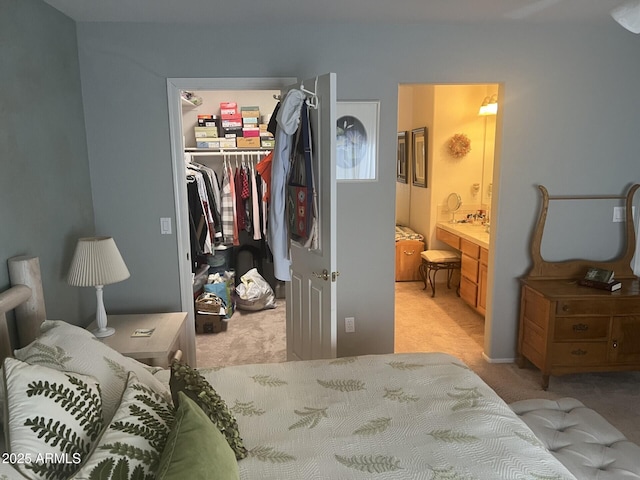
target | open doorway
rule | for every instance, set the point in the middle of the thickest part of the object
(310, 310)
(183, 115)
(446, 112)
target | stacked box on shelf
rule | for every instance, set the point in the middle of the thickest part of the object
(266, 138)
(231, 120)
(248, 142)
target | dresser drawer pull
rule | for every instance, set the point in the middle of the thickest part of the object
(578, 352)
(409, 253)
(580, 327)
(565, 308)
(615, 344)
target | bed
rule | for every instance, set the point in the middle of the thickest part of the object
(395, 416)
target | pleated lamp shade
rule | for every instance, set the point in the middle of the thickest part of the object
(97, 261)
(628, 15)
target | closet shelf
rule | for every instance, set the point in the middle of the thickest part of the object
(230, 151)
(188, 103)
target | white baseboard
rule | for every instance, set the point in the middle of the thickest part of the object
(498, 360)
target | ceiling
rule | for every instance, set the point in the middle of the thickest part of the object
(265, 12)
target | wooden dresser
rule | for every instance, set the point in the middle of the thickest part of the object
(567, 328)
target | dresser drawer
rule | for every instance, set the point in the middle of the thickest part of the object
(469, 248)
(449, 238)
(581, 328)
(595, 306)
(579, 353)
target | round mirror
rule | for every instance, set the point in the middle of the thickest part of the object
(453, 203)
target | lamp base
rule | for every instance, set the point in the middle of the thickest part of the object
(106, 332)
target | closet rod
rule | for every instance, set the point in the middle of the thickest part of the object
(237, 153)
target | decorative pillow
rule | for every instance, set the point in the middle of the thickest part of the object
(52, 419)
(195, 386)
(131, 445)
(71, 348)
(195, 448)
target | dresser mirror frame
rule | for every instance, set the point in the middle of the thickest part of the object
(546, 270)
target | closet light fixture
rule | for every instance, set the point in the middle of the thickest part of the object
(489, 105)
(97, 262)
(628, 15)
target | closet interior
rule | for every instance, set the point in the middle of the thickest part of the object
(227, 140)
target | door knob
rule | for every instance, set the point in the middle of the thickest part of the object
(324, 275)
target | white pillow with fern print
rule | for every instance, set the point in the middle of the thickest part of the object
(52, 419)
(71, 348)
(131, 445)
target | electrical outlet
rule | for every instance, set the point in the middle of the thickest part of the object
(349, 324)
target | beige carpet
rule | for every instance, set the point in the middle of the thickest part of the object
(443, 324)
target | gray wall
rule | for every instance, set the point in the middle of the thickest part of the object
(570, 118)
(45, 194)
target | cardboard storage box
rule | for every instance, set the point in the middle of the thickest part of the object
(250, 132)
(268, 143)
(207, 142)
(210, 323)
(248, 142)
(250, 113)
(210, 132)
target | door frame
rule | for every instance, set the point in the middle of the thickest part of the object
(174, 86)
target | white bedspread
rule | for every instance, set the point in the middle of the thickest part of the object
(402, 416)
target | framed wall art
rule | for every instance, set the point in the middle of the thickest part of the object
(402, 158)
(357, 140)
(419, 156)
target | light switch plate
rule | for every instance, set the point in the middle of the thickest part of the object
(165, 226)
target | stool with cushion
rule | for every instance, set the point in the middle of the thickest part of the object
(435, 260)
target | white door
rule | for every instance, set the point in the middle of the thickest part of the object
(311, 293)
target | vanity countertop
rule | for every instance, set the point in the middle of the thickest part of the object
(474, 233)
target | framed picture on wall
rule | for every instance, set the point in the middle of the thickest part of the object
(402, 160)
(419, 156)
(357, 140)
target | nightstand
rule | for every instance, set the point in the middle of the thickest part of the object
(156, 350)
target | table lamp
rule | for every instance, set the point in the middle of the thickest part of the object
(97, 262)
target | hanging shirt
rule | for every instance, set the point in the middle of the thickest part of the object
(226, 209)
(288, 118)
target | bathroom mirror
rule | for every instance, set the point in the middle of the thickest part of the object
(454, 202)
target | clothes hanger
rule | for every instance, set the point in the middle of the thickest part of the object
(313, 101)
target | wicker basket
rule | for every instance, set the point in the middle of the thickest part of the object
(209, 302)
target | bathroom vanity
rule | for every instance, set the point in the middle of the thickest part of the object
(472, 240)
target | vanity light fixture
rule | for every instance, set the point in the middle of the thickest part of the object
(489, 106)
(628, 15)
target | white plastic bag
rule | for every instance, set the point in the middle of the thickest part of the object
(254, 292)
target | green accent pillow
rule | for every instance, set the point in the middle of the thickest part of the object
(195, 386)
(195, 448)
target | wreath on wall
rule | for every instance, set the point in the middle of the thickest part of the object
(459, 145)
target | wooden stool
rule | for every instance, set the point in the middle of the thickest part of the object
(434, 260)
